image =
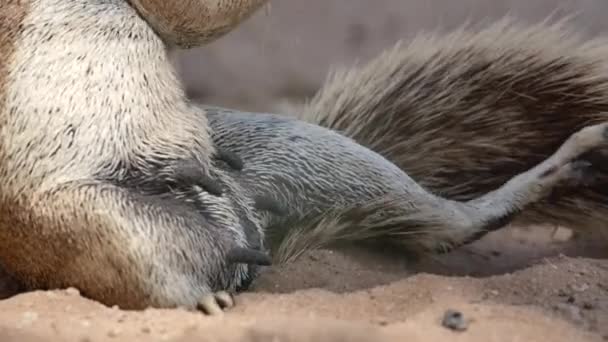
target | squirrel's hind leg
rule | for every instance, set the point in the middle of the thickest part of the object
(424, 222)
(121, 248)
(498, 208)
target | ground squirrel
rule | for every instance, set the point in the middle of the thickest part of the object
(111, 184)
(98, 146)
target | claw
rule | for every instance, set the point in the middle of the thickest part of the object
(268, 204)
(191, 173)
(215, 304)
(598, 159)
(243, 255)
(210, 186)
(234, 161)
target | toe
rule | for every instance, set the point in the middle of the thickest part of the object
(209, 306)
(224, 299)
(214, 304)
(231, 159)
(266, 203)
(605, 131)
(210, 185)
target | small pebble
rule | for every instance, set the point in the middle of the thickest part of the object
(494, 292)
(562, 234)
(588, 306)
(145, 330)
(29, 317)
(454, 320)
(571, 311)
(71, 291)
(580, 288)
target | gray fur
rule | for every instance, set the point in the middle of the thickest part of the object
(464, 112)
(337, 190)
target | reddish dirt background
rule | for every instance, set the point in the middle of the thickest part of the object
(518, 284)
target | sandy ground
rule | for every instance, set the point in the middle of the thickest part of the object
(515, 285)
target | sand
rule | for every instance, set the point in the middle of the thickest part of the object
(514, 285)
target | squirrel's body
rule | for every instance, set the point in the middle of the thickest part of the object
(108, 181)
(460, 114)
(464, 112)
(336, 190)
(95, 130)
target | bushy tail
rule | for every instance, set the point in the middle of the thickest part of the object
(464, 112)
(389, 220)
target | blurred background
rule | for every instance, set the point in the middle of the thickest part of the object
(285, 53)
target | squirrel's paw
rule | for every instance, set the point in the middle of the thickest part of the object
(214, 304)
(190, 171)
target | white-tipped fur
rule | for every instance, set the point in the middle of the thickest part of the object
(95, 129)
(463, 112)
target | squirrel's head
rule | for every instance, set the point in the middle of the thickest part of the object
(191, 23)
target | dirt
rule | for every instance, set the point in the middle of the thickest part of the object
(514, 285)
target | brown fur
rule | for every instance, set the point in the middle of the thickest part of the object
(95, 128)
(181, 23)
(464, 112)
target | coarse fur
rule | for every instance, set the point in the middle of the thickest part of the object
(97, 140)
(337, 191)
(464, 112)
(459, 113)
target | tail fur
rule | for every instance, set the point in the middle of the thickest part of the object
(464, 112)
